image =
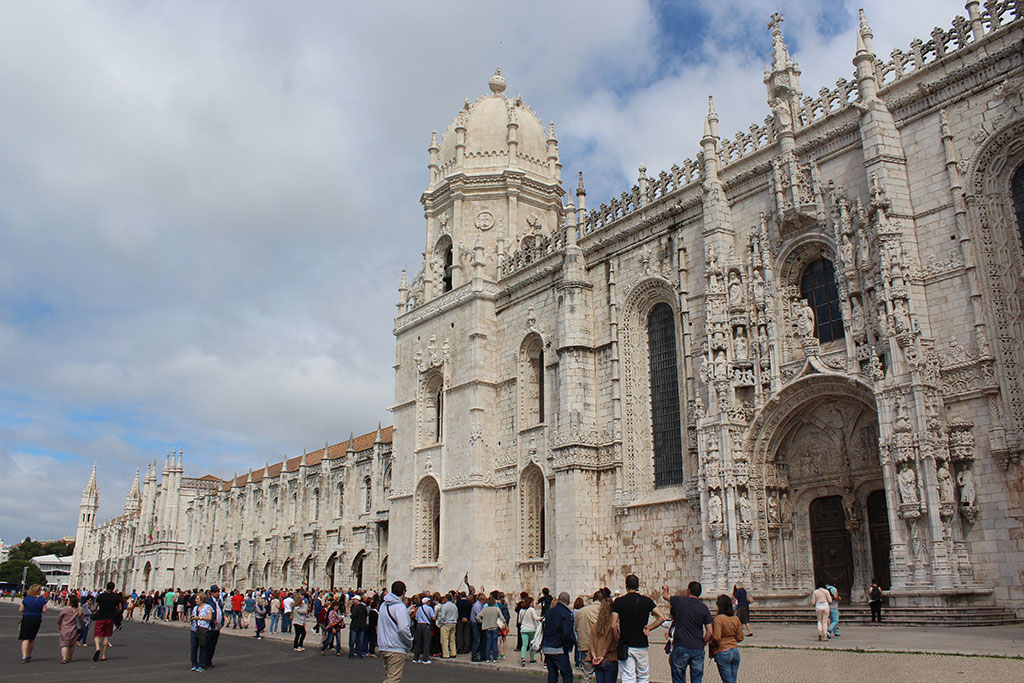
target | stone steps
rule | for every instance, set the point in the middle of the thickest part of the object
(908, 616)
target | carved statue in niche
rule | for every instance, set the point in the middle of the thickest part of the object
(846, 250)
(715, 508)
(856, 315)
(773, 508)
(758, 285)
(783, 116)
(735, 289)
(746, 513)
(863, 249)
(946, 492)
(787, 509)
(850, 506)
(804, 319)
(742, 351)
(907, 481)
(967, 493)
(900, 316)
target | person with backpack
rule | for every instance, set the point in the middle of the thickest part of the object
(394, 633)
(332, 630)
(875, 601)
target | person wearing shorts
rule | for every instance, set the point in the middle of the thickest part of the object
(108, 604)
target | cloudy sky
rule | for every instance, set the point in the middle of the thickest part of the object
(205, 206)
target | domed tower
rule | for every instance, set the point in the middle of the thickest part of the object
(494, 186)
(495, 179)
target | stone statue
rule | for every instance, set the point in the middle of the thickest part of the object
(846, 250)
(735, 289)
(805, 319)
(946, 493)
(715, 508)
(745, 509)
(758, 285)
(773, 508)
(908, 485)
(900, 316)
(783, 116)
(787, 509)
(967, 493)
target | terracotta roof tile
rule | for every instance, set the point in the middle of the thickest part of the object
(360, 443)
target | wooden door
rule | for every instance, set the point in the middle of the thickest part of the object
(878, 533)
(830, 543)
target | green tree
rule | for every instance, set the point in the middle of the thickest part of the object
(11, 571)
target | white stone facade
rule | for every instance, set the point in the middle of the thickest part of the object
(319, 520)
(827, 311)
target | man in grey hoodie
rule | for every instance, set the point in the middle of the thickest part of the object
(394, 633)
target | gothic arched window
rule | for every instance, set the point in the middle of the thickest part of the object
(428, 518)
(368, 485)
(818, 286)
(447, 277)
(532, 378)
(668, 439)
(433, 427)
(1017, 192)
(341, 499)
(532, 513)
(316, 504)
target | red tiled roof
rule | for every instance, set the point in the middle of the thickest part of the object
(359, 443)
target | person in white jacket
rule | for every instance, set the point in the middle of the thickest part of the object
(394, 633)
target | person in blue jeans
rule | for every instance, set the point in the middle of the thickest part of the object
(833, 611)
(726, 634)
(691, 631)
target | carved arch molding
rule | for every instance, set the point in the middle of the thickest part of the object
(637, 460)
(993, 225)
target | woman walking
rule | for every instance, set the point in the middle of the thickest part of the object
(726, 634)
(822, 599)
(332, 631)
(741, 601)
(528, 623)
(85, 608)
(31, 609)
(604, 644)
(299, 613)
(68, 623)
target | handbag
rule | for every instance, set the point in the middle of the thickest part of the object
(538, 638)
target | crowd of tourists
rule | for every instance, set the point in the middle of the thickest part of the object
(603, 636)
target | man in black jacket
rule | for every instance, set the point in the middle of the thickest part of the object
(559, 638)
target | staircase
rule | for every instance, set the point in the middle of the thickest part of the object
(860, 613)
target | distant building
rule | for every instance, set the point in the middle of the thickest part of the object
(57, 569)
(319, 520)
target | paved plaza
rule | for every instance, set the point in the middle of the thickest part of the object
(777, 653)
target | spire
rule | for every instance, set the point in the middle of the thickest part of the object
(304, 462)
(351, 442)
(135, 490)
(782, 76)
(864, 61)
(266, 470)
(91, 493)
(711, 120)
(380, 434)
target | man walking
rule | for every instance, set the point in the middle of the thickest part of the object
(108, 605)
(631, 612)
(394, 633)
(216, 623)
(558, 639)
(691, 629)
(287, 605)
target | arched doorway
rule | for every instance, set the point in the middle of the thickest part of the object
(819, 499)
(830, 544)
(307, 572)
(146, 572)
(266, 575)
(332, 564)
(285, 569)
(357, 568)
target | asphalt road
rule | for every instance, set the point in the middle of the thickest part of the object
(153, 652)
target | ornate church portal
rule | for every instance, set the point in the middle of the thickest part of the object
(822, 512)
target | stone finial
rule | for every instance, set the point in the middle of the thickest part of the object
(497, 83)
(433, 140)
(580, 189)
(711, 120)
(865, 29)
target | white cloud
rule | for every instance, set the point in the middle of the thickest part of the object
(204, 207)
